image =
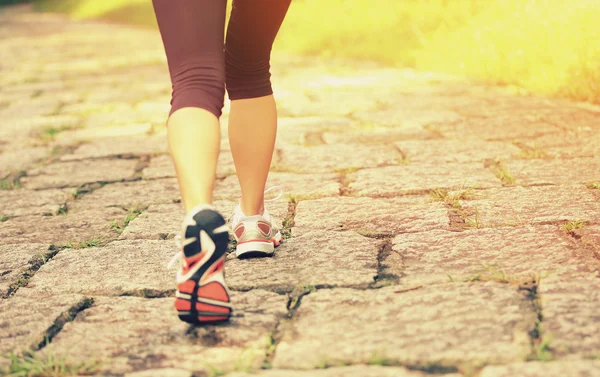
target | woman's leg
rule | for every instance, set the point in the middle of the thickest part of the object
(192, 33)
(252, 29)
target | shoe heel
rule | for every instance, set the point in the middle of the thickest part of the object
(205, 303)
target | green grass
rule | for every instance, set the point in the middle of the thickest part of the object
(503, 175)
(452, 199)
(570, 226)
(134, 212)
(593, 185)
(35, 365)
(50, 133)
(83, 244)
(12, 181)
(4, 218)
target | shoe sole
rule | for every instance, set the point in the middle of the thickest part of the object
(259, 248)
(203, 298)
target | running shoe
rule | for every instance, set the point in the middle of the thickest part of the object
(257, 235)
(202, 295)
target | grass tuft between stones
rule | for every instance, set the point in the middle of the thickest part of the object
(570, 226)
(12, 181)
(133, 212)
(33, 365)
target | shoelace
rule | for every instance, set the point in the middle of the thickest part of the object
(177, 255)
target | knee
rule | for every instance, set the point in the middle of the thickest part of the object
(199, 83)
(247, 77)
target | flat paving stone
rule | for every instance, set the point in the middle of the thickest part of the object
(565, 145)
(555, 172)
(561, 368)
(514, 206)
(21, 159)
(298, 186)
(334, 157)
(312, 259)
(23, 202)
(119, 147)
(163, 372)
(75, 227)
(137, 194)
(449, 151)
(293, 130)
(512, 254)
(121, 267)
(26, 318)
(443, 325)
(397, 180)
(30, 127)
(350, 371)
(497, 127)
(162, 167)
(571, 314)
(17, 259)
(116, 330)
(75, 173)
(374, 134)
(589, 236)
(395, 116)
(371, 216)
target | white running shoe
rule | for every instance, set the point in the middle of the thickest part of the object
(256, 236)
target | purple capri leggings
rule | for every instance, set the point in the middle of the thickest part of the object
(201, 66)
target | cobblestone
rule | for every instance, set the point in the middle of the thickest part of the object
(433, 226)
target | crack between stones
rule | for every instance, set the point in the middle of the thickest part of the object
(35, 263)
(381, 279)
(288, 221)
(61, 320)
(540, 350)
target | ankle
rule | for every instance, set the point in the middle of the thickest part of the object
(252, 209)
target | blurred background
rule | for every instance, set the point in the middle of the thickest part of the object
(549, 47)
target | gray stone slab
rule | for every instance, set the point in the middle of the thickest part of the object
(313, 259)
(557, 172)
(134, 334)
(497, 126)
(119, 147)
(75, 173)
(369, 133)
(294, 130)
(512, 254)
(334, 157)
(298, 186)
(395, 180)
(28, 127)
(26, 317)
(121, 267)
(137, 194)
(163, 372)
(515, 206)
(368, 215)
(571, 314)
(561, 368)
(158, 222)
(444, 325)
(21, 159)
(350, 371)
(449, 151)
(17, 259)
(77, 226)
(23, 202)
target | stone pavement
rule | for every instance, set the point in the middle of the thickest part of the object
(435, 226)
